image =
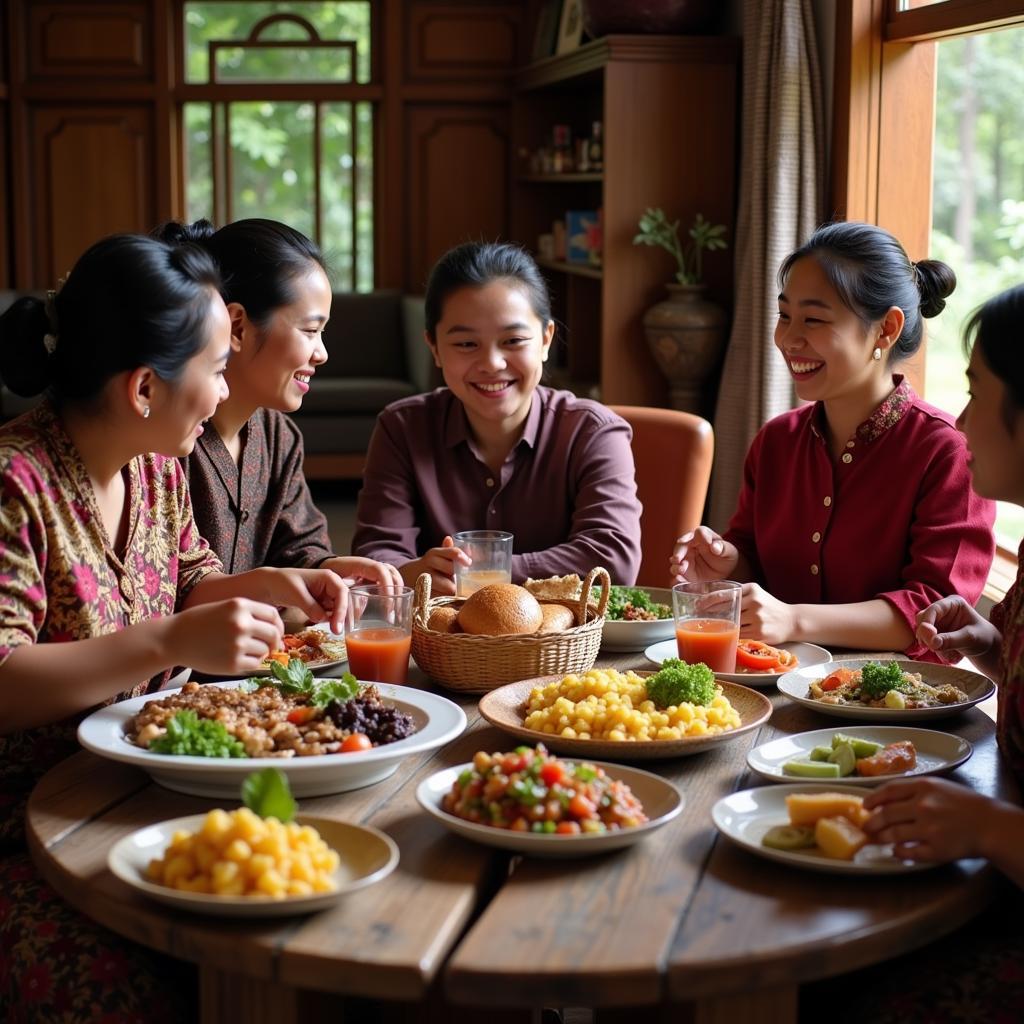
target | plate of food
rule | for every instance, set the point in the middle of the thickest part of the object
(807, 827)
(315, 646)
(587, 807)
(757, 664)
(891, 690)
(326, 735)
(259, 860)
(637, 617)
(631, 716)
(860, 755)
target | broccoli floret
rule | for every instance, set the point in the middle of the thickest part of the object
(677, 682)
(876, 679)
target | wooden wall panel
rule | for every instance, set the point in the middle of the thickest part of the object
(450, 41)
(92, 175)
(5, 197)
(89, 40)
(457, 181)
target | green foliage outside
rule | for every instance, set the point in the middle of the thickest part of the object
(272, 142)
(978, 212)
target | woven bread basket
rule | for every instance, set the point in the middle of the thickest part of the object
(476, 664)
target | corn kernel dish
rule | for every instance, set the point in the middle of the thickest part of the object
(606, 713)
(239, 864)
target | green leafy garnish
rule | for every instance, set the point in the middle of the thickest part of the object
(268, 794)
(296, 678)
(188, 734)
(877, 679)
(678, 682)
(619, 597)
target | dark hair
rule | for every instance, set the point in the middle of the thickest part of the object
(130, 301)
(995, 328)
(477, 264)
(871, 272)
(258, 259)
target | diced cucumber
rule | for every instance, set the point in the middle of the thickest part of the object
(844, 758)
(811, 769)
(821, 753)
(862, 748)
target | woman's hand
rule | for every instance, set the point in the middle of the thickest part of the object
(929, 819)
(951, 624)
(364, 570)
(229, 638)
(440, 563)
(318, 593)
(763, 617)
(702, 555)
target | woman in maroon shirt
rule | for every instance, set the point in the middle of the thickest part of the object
(856, 510)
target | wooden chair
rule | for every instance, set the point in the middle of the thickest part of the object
(673, 452)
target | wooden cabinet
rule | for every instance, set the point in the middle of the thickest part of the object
(668, 105)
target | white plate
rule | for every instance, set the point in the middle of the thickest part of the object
(367, 855)
(936, 752)
(796, 686)
(660, 799)
(617, 635)
(808, 654)
(313, 666)
(437, 721)
(744, 818)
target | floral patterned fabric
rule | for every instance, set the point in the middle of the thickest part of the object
(61, 580)
(1008, 618)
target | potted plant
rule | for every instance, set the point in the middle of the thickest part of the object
(685, 332)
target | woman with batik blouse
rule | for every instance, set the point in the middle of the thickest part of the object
(249, 495)
(856, 511)
(105, 582)
(976, 974)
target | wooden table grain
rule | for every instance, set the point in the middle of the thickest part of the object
(681, 918)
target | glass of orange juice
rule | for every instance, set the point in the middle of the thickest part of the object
(708, 623)
(378, 632)
(491, 551)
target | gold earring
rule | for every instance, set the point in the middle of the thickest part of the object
(877, 354)
(145, 412)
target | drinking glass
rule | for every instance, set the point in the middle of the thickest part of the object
(708, 623)
(378, 632)
(491, 551)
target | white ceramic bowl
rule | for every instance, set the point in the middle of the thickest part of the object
(618, 635)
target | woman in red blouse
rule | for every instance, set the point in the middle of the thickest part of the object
(856, 511)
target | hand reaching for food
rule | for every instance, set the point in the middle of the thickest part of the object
(440, 563)
(229, 637)
(702, 555)
(951, 624)
(764, 617)
(357, 571)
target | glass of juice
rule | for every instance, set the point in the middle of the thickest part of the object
(708, 623)
(378, 632)
(491, 551)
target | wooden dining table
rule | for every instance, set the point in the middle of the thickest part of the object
(682, 919)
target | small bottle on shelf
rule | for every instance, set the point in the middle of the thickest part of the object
(562, 162)
(595, 150)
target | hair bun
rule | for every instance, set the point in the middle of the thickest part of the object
(174, 233)
(24, 360)
(935, 282)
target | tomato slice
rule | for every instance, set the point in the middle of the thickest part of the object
(757, 656)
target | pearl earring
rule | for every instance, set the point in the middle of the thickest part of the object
(877, 354)
(145, 410)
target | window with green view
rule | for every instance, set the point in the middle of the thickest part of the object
(278, 122)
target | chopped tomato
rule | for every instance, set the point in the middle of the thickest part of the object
(757, 656)
(787, 661)
(299, 716)
(290, 641)
(567, 828)
(552, 772)
(355, 742)
(834, 681)
(581, 807)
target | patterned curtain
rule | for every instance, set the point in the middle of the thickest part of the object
(781, 190)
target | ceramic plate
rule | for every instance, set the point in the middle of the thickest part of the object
(367, 855)
(336, 645)
(505, 707)
(936, 752)
(744, 818)
(796, 686)
(437, 721)
(635, 636)
(808, 654)
(660, 799)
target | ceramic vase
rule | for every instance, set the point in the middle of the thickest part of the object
(686, 334)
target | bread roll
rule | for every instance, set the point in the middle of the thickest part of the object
(444, 619)
(557, 618)
(556, 588)
(500, 609)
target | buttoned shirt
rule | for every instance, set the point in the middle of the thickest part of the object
(566, 490)
(894, 517)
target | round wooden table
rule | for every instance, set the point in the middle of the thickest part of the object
(683, 917)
